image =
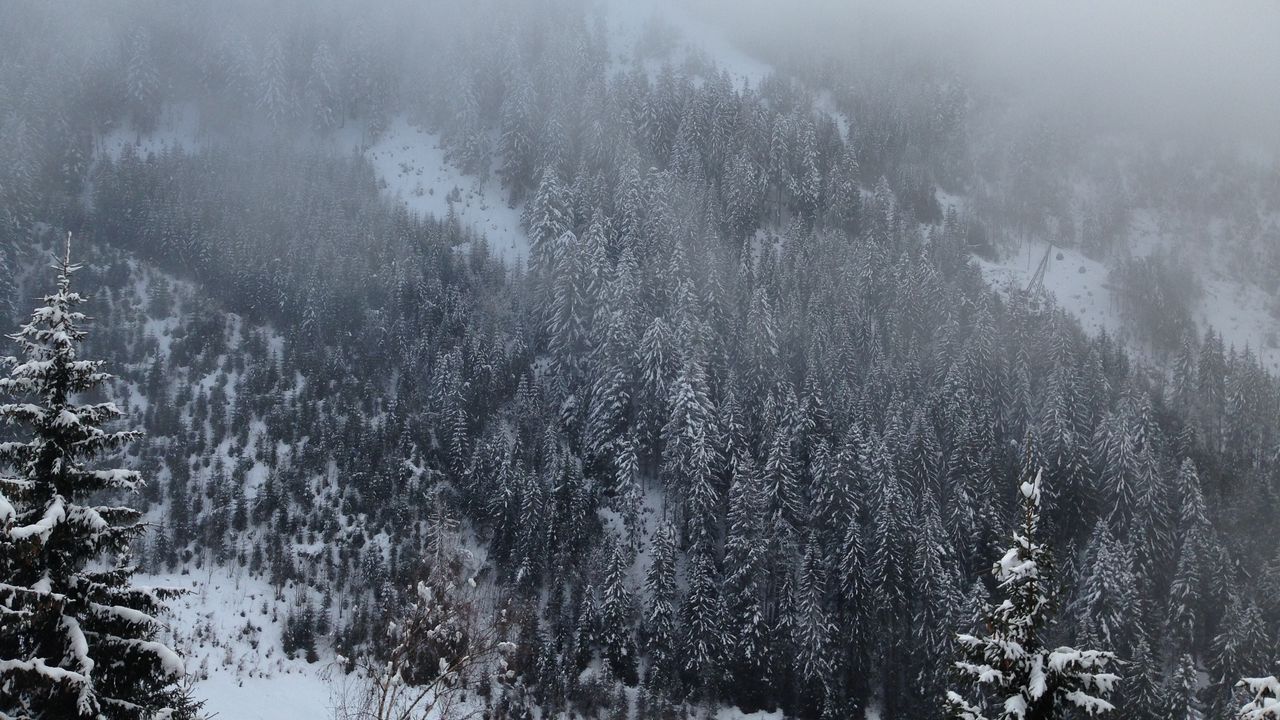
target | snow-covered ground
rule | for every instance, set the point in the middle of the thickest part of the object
(411, 163)
(1239, 311)
(1078, 284)
(228, 626)
(736, 714)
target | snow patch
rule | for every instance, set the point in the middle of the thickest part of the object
(228, 627)
(1078, 284)
(411, 163)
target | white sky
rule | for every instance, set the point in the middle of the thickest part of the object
(1209, 69)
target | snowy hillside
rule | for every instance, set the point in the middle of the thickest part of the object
(617, 360)
(1239, 310)
(410, 163)
(412, 166)
(228, 625)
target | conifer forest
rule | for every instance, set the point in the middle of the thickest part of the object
(595, 359)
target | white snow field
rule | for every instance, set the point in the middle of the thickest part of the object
(1078, 284)
(228, 626)
(412, 165)
(1238, 311)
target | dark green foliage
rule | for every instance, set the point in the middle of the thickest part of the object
(77, 638)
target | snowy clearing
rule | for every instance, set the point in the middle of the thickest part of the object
(412, 164)
(1078, 283)
(228, 626)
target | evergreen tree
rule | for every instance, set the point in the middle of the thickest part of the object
(1182, 692)
(142, 84)
(812, 627)
(888, 548)
(77, 640)
(704, 640)
(1140, 695)
(1107, 600)
(936, 603)
(547, 218)
(617, 607)
(746, 629)
(1018, 677)
(274, 98)
(516, 146)
(323, 101)
(1117, 450)
(1264, 703)
(855, 599)
(1241, 645)
(1065, 447)
(660, 618)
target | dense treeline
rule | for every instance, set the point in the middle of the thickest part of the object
(746, 428)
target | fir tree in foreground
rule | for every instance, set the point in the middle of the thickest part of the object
(1018, 678)
(76, 638)
(1264, 693)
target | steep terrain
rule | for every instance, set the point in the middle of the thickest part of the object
(722, 378)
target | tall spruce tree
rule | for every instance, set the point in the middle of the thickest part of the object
(1018, 677)
(1182, 693)
(660, 616)
(617, 608)
(746, 630)
(77, 639)
(812, 628)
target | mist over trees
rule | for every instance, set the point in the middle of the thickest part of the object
(746, 426)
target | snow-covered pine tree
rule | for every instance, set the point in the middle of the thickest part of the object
(1182, 692)
(1116, 460)
(1018, 677)
(746, 629)
(1140, 696)
(617, 608)
(274, 98)
(8, 270)
(516, 144)
(935, 603)
(77, 639)
(1107, 600)
(547, 218)
(1240, 646)
(812, 636)
(660, 616)
(1264, 693)
(887, 553)
(703, 614)
(854, 598)
(323, 101)
(781, 485)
